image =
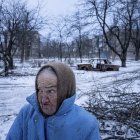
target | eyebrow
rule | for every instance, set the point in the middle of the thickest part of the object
(50, 86)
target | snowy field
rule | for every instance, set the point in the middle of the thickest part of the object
(15, 89)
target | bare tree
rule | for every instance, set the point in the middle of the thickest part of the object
(28, 32)
(136, 30)
(17, 23)
(77, 26)
(9, 23)
(58, 28)
(68, 43)
(68, 39)
(103, 11)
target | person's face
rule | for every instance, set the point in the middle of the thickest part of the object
(47, 92)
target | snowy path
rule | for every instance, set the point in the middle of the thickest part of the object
(14, 90)
(13, 93)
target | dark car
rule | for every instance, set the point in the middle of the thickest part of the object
(98, 64)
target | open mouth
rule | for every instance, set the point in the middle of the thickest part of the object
(44, 106)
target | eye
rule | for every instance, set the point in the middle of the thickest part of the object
(39, 91)
(47, 91)
(51, 91)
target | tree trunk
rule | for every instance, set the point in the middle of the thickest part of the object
(11, 63)
(9, 59)
(69, 54)
(39, 52)
(27, 52)
(123, 61)
(137, 57)
(80, 54)
(6, 68)
(123, 58)
(80, 51)
(60, 47)
(22, 53)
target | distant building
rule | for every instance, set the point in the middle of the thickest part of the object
(106, 52)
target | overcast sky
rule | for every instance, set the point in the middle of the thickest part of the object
(58, 7)
(55, 7)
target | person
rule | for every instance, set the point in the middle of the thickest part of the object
(51, 113)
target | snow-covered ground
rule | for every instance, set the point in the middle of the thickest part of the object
(15, 89)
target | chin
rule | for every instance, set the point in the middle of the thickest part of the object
(46, 113)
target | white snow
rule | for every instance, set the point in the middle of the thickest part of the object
(15, 89)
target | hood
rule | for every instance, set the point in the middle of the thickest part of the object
(66, 83)
(65, 107)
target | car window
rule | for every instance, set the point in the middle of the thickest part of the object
(105, 61)
(102, 62)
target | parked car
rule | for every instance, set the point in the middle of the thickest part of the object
(85, 66)
(98, 64)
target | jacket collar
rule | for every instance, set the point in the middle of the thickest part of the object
(65, 107)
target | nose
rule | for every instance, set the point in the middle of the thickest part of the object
(45, 99)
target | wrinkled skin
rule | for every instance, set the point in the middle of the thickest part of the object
(47, 92)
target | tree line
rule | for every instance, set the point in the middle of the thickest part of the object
(95, 26)
(115, 22)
